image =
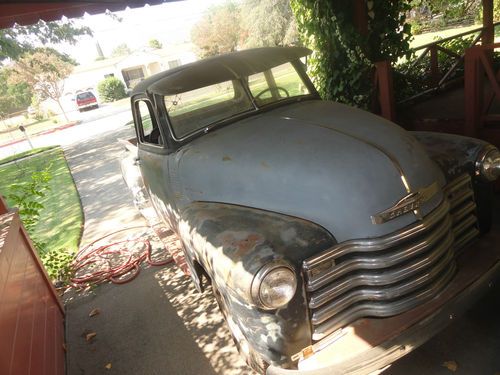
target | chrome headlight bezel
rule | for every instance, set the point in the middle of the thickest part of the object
(260, 277)
(488, 164)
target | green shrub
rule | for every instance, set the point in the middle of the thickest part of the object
(111, 89)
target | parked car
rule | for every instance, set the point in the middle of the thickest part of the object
(334, 240)
(86, 100)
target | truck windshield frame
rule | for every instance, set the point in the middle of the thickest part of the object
(198, 110)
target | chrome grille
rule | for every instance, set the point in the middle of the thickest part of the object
(386, 276)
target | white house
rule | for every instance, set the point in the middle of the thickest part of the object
(130, 69)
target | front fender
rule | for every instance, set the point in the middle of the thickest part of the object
(232, 243)
(454, 154)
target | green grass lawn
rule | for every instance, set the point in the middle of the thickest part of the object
(25, 154)
(62, 218)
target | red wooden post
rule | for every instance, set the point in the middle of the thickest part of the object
(489, 30)
(361, 16)
(473, 77)
(434, 65)
(3, 205)
(386, 90)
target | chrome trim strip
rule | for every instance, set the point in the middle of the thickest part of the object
(375, 279)
(457, 183)
(458, 229)
(461, 213)
(380, 243)
(460, 198)
(381, 294)
(381, 261)
(464, 239)
(377, 309)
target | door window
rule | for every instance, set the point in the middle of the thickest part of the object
(149, 132)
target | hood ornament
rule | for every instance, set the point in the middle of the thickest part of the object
(409, 203)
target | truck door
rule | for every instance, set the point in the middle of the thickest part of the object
(153, 159)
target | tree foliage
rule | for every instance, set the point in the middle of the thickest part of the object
(111, 89)
(219, 31)
(451, 9)
(342, 61)
(13, 97)
(44, 72)
(250, 23)
(155, 43)
(268, 23)
(18, 40)
(121, 50)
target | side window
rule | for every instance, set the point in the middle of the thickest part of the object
(149, 132)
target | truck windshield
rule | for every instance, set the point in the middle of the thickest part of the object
(196, 109)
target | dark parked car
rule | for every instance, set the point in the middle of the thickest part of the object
(86, 100)
(334, 240)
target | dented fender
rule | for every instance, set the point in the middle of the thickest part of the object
(232, 243)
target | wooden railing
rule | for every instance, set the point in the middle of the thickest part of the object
(482, 88)
(438, 76)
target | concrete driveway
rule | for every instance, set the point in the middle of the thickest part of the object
(159, 324)
(156, 324)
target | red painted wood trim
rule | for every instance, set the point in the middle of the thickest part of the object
(386, 90)
(3, 205)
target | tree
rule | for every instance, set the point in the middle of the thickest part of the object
(13, 97)
(155, 43)
(121, 50)
(21, 39)
(219, 31)
(342, 61)
(44, 72)
(111, 89)
(269, 23)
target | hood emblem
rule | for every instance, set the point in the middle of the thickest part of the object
(409, 203)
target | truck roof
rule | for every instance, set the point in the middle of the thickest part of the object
(218, 69)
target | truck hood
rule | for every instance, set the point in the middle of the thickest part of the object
(321, 161)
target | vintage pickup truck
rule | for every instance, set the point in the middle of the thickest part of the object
(335, 241)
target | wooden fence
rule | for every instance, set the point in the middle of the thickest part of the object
(31, 314)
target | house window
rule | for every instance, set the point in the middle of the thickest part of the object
(109, 75)
(174, 63)
(133, 76)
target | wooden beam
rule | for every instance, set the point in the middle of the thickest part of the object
(489, 29)
(473, 90)
(434, 66)
(361, 16)
(386, 90)
(3, 205)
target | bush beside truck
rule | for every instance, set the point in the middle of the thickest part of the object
(111, 89)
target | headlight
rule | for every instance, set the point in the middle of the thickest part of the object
(274, 285)
(488, 164)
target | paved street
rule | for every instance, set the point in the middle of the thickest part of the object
(107, 117)
(159, 324)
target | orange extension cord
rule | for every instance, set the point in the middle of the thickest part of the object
(131, 264)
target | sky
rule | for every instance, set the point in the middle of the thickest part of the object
(170, 23)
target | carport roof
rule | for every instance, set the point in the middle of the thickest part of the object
(24, 13)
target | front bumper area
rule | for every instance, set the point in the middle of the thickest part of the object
(372, 344)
